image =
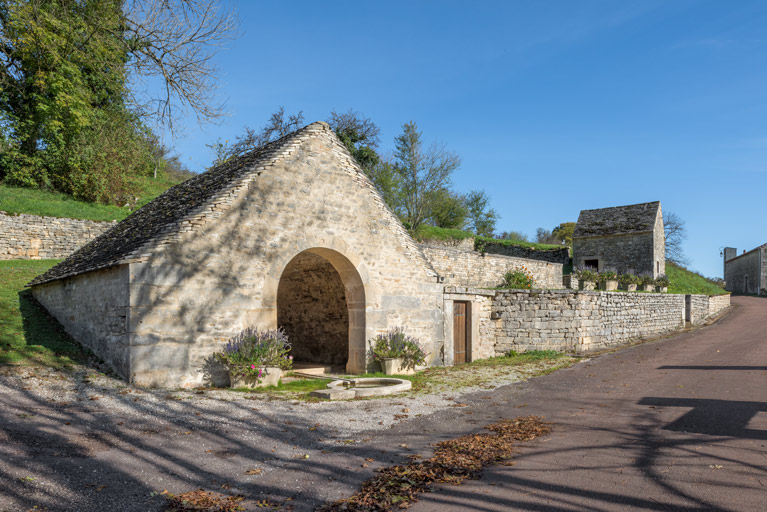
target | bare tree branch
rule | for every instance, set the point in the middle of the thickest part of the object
(676, 234)
(175, 41)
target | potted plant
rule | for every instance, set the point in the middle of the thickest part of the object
(661, 284)
(587, 278)
(397, 352)
(256, 358)
(628, 282)
(647, 282)
(608, 280)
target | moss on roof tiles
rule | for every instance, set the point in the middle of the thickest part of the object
(163, 214)
(618, 220)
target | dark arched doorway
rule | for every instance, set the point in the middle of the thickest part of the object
(317, 298)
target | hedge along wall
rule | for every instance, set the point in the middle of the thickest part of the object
(461, 265)
(579, 321)
(24, 237)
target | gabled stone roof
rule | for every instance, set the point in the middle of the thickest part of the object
(189, 204)
(618, 220)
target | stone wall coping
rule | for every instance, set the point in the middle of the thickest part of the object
(461, 290)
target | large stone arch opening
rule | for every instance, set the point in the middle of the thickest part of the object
(321, 306)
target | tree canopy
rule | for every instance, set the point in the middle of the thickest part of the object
(69, 119)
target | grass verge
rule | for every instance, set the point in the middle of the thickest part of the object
(28, 335)
(682, 280)
(483, 371)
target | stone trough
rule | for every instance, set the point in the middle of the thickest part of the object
(363, 387)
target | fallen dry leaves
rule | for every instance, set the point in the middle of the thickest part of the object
(453, 462)
(200, 500)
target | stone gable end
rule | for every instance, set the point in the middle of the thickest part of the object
(197, 287)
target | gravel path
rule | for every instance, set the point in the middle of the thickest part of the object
(82, 440)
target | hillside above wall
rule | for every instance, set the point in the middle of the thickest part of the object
(441, 237)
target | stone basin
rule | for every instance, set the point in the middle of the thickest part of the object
(362, 387)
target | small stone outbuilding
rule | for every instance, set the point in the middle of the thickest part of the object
(627, 239)
(292, 235)
(746, 273)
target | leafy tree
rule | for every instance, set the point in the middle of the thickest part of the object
(359, 134)
(421, 173)
(564, 232)
(68, 118)
(481, 218)
(676, 233)
(448, 210)
(513, 235)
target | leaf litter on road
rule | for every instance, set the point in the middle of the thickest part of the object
(453, 461)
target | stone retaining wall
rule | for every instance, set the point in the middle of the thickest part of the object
(24, 237)
(461, 265)
(580, 321)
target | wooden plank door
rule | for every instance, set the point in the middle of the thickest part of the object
(461, 333)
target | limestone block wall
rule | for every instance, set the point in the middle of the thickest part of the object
(561, 256)
(572, 320)
(633, 253)
(461, 265)
(717, 303)
(102, 298)
(747, 273)
(222, 274)
(35, 237)
(699, 308)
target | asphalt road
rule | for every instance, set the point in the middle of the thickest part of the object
(678, 424)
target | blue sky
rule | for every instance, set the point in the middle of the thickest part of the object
(553, 106)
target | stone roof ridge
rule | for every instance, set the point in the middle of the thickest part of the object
(412, 248)
(190, 204)
(617, 220)
(179, 209)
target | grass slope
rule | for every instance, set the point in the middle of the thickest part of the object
(682, 280)
(55, 204)
(28, 335)
(425, 233)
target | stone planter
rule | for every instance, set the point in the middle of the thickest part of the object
(395, 366)
(661, 289)
(629, 287)
(648, 288)
(570, 282)
(586, 285)
(608, 286)
(270, 376)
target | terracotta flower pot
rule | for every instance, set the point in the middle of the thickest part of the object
(629, 287)
(586, 285)
(609, 286)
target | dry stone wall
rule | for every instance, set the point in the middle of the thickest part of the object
(34, 237)
(581, 321)
(461, 265)
(102, 297)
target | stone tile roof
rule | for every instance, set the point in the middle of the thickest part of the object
(618, 220)
(189, 204)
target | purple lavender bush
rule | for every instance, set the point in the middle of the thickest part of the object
(252, 349)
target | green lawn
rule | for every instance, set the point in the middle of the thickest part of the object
(55, 204)
(682, 280)
(27, 334)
